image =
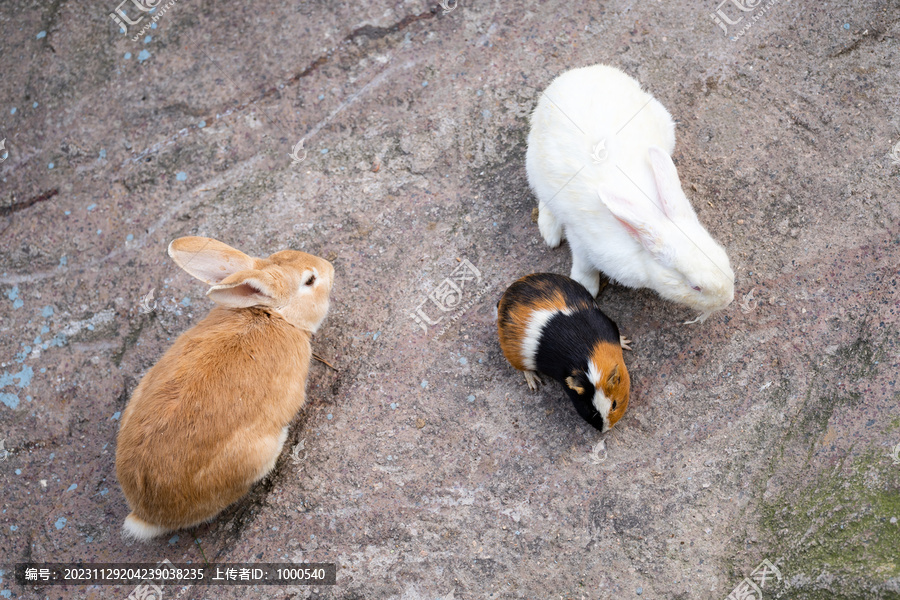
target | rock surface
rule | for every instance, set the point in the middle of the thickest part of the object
(428, 469)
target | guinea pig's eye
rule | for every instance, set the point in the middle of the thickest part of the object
(696, 288)
(614, 405)
(310, 280)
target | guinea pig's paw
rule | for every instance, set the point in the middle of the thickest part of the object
(532, 379)
(624, 342)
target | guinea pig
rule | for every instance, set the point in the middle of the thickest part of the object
(599, 162)
(210, 418)
(551, 324)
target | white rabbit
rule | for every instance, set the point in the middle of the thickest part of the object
(599, 163)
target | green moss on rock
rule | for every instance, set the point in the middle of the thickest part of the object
(840, 536)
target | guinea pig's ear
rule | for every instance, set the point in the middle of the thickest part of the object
(614, 378)
(209, 260)
(668, 186)
(577, 382)
(641, 222)
(245, 289)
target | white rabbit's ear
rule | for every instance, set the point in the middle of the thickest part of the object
(207, 259)
(245, 289)
(671, 197)
(636, 221)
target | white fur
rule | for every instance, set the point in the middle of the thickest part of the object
(302, 287)
(137, 529)
(274, 446)
(532, 337)
(600, 401)
(626, 215)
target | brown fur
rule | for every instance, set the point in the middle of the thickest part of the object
(616, 383)
(573, 385)
(208, 420)
(512, 334)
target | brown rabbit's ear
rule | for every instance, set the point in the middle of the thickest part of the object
(209, 260)
(245, 289)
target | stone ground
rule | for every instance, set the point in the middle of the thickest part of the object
(428, 469)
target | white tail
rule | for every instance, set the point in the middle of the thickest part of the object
(139, 529)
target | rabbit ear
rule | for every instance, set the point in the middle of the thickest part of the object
(207, 259)
(668, 185)
(635, 221)
(245, 289)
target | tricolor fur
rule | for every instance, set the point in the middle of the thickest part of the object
(551, 324)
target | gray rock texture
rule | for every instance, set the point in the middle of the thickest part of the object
(428, 469)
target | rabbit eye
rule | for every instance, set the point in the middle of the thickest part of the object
(310, 280)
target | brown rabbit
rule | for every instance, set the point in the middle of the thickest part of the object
(210, 418)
